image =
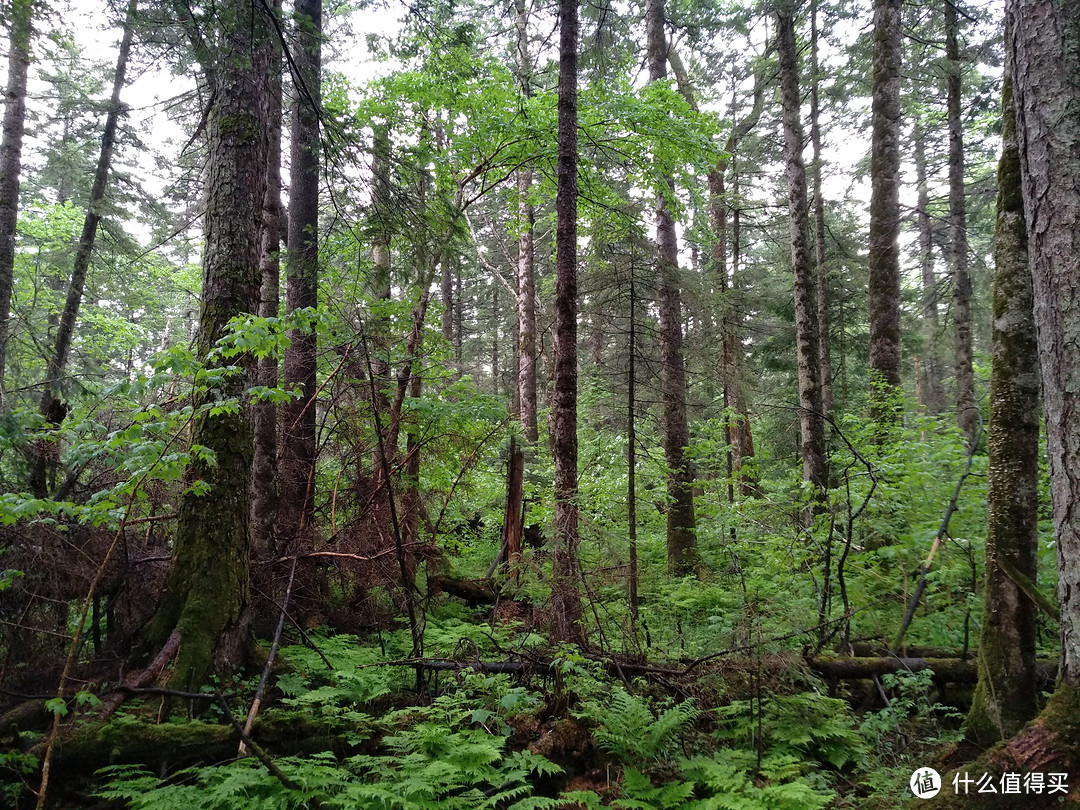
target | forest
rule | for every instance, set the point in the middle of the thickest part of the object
(522, 405)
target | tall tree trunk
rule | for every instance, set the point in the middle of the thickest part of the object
(565, 596)
(1045, 54)
(265, 467)
(811, 424)
(631, 456)
(207, 588)
(739, 435)
(1005, 697)
(21, 14)
(378, 328)
(966, 409)
(884, 264)
(297, 466)
(1042, 57)
(50, 406)
(526, 264)
(822, 274)
(495, 340)
(933, 391)
(682, 552)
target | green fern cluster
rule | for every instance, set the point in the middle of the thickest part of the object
(628, 730)
(435, 757)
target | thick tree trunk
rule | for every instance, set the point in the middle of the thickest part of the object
(932, 388)
(207, 596)
(1045, 54)
(565, 596)
(1042, 56)
(20, 16)
(265, 467)
(811, 423)
(682, 552)
(884, 263)
(297, 464)
(50, 404)
(966, 410)
(1005, 698)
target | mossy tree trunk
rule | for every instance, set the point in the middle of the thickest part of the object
(1042, 56)
(1005, 696)
(884, 259)
(565, 596)
(207, 586)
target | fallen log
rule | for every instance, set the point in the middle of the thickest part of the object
(951, 670)
(474, 591)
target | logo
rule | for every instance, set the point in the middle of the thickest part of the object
(925, 783)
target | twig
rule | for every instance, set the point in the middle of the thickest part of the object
(257, 701)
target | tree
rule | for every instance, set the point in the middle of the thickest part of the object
(51, 408)
(1006, 693)
(807, 334)
(884, 261)
(525, 396)
(966, 410)
(565, 597)
(681, 522)
(933, 394)
(1044, 54)
(11, 160)
(265, 468)
(822, 274)
(207, 598)
(297, 465)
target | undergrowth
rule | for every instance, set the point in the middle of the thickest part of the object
(468, 746)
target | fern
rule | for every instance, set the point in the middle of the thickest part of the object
(629, 731)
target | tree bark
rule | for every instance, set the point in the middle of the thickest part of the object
(966, 410)
(297, 464)
(21, 14)
(526, 272)
(207, 586)
(565, 596)
(1045, 59)
(682, 555)
(50, 403)
(884, 260)
(1005, 698)
(811, 423)
(739, 434)
(265, 467)
(822, 270)
(933, 391)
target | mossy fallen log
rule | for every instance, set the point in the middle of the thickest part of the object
(951, 670)
(87, 745)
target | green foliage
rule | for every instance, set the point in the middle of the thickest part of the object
(631, 733)
(15, 768)
(445, 755)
